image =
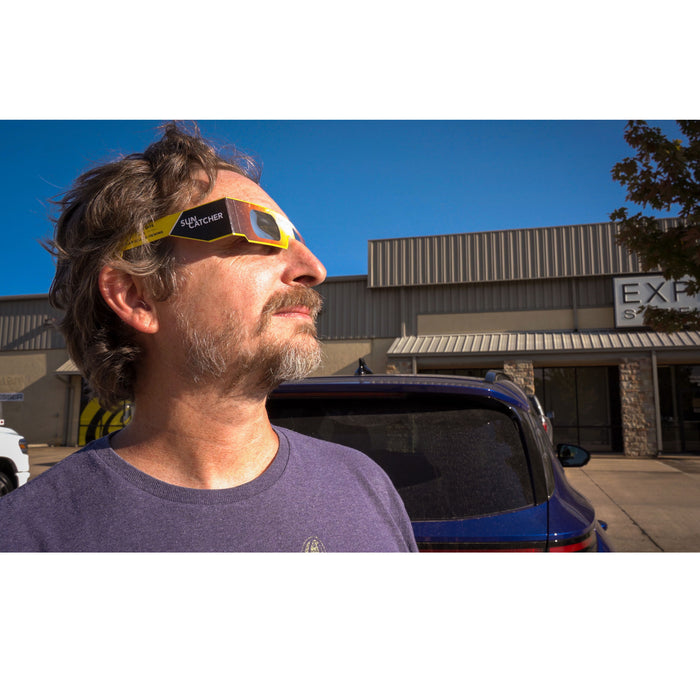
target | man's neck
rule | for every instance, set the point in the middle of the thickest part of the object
(197, 439)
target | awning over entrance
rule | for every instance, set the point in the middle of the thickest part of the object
(541, 341)
(68, 367)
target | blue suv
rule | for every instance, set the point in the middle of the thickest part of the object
(469, 457)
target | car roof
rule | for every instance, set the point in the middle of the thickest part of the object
(495, 385)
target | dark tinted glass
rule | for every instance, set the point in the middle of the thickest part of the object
(264, 225)
(446, 459)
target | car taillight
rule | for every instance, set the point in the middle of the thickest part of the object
(23, 446)
(506, 547)
(587, 543)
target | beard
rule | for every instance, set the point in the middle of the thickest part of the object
(234, 357)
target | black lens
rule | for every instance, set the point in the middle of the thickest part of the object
(264, 225)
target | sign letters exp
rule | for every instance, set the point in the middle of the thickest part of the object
(632, 294)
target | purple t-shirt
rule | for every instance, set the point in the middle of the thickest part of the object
(314, 496)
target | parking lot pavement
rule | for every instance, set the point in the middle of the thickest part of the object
(650, 505)
(42, 457)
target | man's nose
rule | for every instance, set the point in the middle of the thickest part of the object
(304, 267)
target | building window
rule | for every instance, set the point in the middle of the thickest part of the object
(584, 404)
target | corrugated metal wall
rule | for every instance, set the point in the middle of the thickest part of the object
(511, 296)
(491, 256)
(352, 310)
(25, 324)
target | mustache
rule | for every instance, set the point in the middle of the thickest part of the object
(301, 296)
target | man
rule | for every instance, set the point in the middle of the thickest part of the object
(187, 290)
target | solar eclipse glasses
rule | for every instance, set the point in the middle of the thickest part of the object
(218, 219)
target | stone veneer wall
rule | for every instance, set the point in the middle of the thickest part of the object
(523, 375)
(637, 398)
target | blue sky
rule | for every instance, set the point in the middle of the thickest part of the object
(341, 182)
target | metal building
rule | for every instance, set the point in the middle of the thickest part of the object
(557, 308)
(35, 398)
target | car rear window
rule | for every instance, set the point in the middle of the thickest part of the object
(447, 458)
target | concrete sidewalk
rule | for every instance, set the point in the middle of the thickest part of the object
(650, 505)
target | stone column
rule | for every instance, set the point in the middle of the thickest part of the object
(523, 374)
(637, 398)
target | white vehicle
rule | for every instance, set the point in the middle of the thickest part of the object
(14, 460)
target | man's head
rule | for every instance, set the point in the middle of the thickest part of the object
(105, 333)
(243, 313)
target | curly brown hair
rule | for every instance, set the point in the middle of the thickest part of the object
(106, 205)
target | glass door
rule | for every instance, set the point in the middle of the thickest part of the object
(585, 405)
(679, 402)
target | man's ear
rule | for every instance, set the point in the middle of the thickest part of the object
(126, 295)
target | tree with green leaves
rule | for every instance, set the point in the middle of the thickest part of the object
(664, 175)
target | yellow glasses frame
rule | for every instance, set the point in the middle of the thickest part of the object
(216, 220)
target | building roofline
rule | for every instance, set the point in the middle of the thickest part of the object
(22, 297)
(507, 230)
